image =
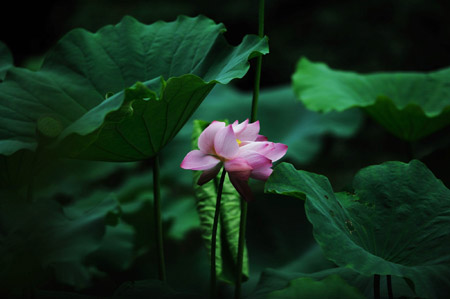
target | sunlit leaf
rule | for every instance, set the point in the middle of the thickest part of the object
(228, 227)
(85, 94)
(409, 105)
(396, 222)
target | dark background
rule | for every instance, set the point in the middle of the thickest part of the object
(364, 36)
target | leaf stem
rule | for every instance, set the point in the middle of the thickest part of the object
(214, 236)
(376, 286)
(389, 286)
(243, 220)
(158, 221)
(258, 65)
(240, 257)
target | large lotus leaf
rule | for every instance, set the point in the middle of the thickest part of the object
(43, 237)
(179, 62)
(6, 60)
(396, 222)
(410, 105)
(228, 226)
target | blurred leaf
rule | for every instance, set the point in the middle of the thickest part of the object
(312, 260)
(396, 223)
(409, 105)
(228, 226)
(42, 237)
(282, 117)
(179, 62)
(41, 294)
(178, 209)
(331, 287)
(181, 215)
(272, 280)
(33, 63)
(116, 251)
(6, 60)
(16, 172)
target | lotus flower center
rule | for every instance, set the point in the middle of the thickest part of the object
(238, 141)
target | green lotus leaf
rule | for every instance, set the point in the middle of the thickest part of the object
(87, 94)
(410, 105)
(228, 226)
(396, 222)
(45, 238)
(6, 60)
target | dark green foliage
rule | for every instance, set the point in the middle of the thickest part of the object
(395, 223)
(179, 63)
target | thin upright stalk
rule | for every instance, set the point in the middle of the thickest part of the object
(258, 64)
(243, 220)
(240, 257)
(214, 236)
(158, 221)
(376, 286)
(389, 286)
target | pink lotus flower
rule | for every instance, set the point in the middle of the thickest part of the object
(240, 149)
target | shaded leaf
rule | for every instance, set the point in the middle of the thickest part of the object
(41, 238)
(396, 223)
(149, 288)
(331, 287)
(409, 105)
(228, 227)
(179, 63)
(6, 60)
(272, 280)
(116, 251)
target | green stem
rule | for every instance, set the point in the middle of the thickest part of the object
(258, 65)
(389, 287)
(243, 220)
(214, 236)
(256, 89)
(240, 257)
(376, 286)
(158, 221)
